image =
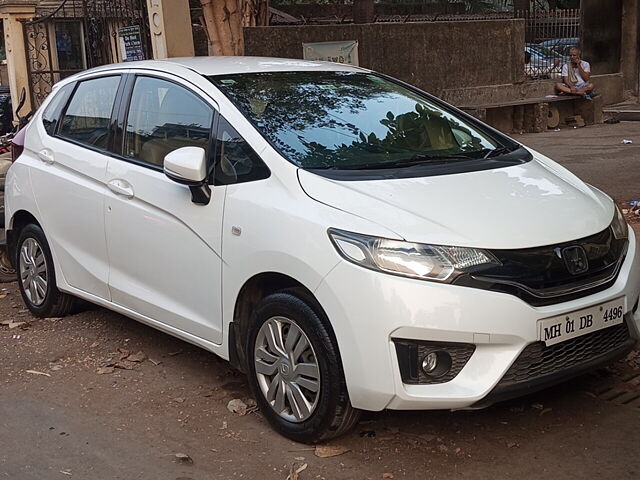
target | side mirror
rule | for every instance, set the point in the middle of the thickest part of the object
(188, 166)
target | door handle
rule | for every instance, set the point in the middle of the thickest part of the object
(121, 187)
(46, 156)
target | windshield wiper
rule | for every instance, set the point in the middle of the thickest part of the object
(419, 160)
(410, 162)
(497, 151)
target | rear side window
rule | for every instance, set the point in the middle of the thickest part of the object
(163, 117)
(88, 115)
(51, 114)
(236, 161)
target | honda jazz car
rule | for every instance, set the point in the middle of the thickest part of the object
(349, 241)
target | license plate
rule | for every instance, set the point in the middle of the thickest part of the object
(574, 324)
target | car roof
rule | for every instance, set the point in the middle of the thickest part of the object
(230, 65)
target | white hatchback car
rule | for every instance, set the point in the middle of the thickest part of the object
(347, 240)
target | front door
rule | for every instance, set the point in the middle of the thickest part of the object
(164, 250)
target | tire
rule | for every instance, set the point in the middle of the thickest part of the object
(284, 390)
(36, 275)
(7, 272)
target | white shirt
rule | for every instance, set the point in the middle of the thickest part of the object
(585, 66)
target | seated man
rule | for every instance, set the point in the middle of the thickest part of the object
(575, 76)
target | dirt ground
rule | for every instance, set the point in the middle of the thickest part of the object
(60, 418)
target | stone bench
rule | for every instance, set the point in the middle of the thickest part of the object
(534, 115)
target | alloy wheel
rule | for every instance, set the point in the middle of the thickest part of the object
(33, 271)
(287, 369)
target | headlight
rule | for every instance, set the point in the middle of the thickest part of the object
(416, 260)
(619, 225)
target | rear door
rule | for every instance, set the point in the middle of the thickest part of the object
(164, 250)
(72, 146)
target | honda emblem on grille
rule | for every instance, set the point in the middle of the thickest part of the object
(575, 258)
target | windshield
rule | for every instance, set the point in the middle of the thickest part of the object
(345, 120)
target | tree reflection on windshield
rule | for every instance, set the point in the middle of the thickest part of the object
(344, 119)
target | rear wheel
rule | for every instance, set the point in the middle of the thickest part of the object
(36, 275)
(295, 370)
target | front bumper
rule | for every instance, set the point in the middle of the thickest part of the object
(368, 310)
(539, 367)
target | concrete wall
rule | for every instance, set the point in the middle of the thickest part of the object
(609, 86)
(434, 56)
(602, 34)
(464, 63)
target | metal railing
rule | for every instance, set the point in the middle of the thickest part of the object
(549, 35)
(68, 36)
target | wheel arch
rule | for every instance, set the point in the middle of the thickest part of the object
(252, 292)
(19, 220)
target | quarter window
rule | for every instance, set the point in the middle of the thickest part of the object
(164, 117)
(51, 114)
(89, 112)
(236, 161)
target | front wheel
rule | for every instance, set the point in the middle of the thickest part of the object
(36, 275)
(295, 370)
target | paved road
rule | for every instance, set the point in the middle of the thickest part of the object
(597, 155)
(129, 424)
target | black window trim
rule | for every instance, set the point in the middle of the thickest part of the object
(63, 112)
(117, 120)
(123, 113)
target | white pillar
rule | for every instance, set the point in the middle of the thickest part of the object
(170, 25)
(11, 14)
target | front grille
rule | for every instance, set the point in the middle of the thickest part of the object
(539, 275)
(411, 353)
(537, 360)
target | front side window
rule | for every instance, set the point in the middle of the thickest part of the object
(88, 115)
(163, 117)
(347, 120)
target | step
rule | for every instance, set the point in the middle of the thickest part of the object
(623, 111)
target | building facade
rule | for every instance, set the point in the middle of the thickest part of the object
(47, 40)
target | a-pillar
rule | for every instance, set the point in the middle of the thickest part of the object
(170, 25)
(11, 12)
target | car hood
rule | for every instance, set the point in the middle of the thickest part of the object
(532, 204)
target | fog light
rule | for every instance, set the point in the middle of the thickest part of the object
(424, 362)
(430, 362)
(436, 363)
